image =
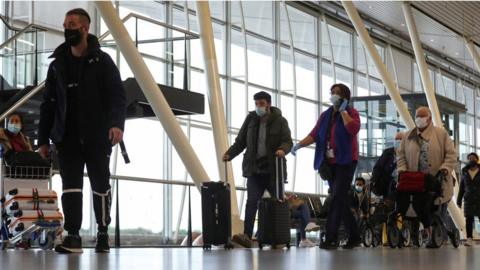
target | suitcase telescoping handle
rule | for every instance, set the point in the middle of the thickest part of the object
(279, 177)
(226, 171)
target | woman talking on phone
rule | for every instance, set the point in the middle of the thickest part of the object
(336, 156)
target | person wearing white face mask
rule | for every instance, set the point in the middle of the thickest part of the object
(12, 138)
(430, 150)
(336, 157)
(264, 135)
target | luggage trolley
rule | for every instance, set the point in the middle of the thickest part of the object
(29, 206)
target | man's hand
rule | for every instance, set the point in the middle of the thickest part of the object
(280, 153)
(115, 135)
(44, 151)
(226, 157)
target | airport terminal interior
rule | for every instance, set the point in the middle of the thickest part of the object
(189, 72)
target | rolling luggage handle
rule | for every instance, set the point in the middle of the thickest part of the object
(226, 174)
(280, 181)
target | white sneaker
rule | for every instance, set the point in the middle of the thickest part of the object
(306, 244)
(469, 242)
(312, 227)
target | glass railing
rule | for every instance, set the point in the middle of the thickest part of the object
(22, 58)
(161, 45)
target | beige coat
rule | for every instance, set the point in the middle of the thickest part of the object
(6, 142)
(441, 155)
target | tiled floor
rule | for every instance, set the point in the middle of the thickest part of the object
(195, 258)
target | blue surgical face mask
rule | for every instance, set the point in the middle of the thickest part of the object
(335, 99)
(14, 128)
(358, 188)
(261, 111)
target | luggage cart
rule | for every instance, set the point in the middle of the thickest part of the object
(43, 231)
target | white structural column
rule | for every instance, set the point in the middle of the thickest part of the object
(152, 92)
(429, 93)
(294, 73)
(217, 113)
(422, 64)
(384, 74)
(474, 53)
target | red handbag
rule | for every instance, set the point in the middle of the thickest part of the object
(411, 182)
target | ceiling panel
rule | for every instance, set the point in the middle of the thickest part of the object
(461, 16)
(433, 34)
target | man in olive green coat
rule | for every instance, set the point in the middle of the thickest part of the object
(265, 135)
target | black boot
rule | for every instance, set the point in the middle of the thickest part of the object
(71, 244)
(102, 243)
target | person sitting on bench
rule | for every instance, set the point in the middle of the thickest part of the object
(301, 212)
(358, 200)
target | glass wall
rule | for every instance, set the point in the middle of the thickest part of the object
(281, 48)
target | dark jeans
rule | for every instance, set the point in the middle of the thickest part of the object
(469, 223)
(302, 214)
(256, 186)
(72, 157)
(339, 186)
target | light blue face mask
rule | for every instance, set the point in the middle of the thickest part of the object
(358, 188)
(396, 144)
(14, 128)
(335, 99)
(261, 111)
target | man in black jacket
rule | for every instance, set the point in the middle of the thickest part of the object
(83, 113)
(264, 134)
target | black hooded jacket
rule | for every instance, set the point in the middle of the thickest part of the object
(100, 103)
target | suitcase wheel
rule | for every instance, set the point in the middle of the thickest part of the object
(288, 245)
(207, 247)
(260, 246)
(228, 246)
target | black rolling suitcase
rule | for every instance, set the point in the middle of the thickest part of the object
(274, 213)
(216, 214)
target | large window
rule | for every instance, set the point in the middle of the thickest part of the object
(257, 58)
(341, 45)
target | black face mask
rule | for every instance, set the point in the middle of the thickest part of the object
(472, 163)
(73, 37)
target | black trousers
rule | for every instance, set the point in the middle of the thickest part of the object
(470, 220)
(73, 156)
(338, 212)
(256, 186)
